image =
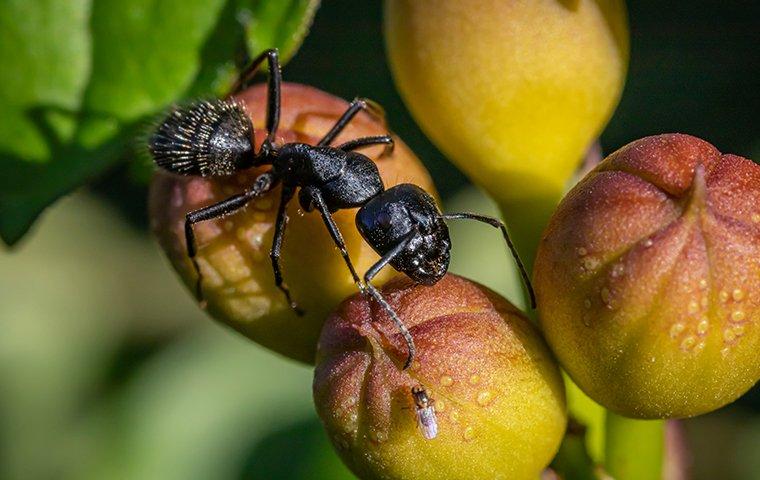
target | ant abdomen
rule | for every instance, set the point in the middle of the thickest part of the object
(207, 138)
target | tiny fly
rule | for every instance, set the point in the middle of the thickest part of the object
(425, 413)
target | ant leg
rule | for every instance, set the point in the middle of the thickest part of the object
(354, 108)
(385, 260)
(262, 184)
(279, 234)
(273, 89)
(386, 140)
(496, 223)
(319, 202)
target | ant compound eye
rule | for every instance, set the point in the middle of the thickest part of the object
(384, 220)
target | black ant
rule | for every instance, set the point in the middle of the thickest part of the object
(402, 224)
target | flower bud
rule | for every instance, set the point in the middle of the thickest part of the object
(495, 388)
(233, 252)
(513, 92)
(648, 279)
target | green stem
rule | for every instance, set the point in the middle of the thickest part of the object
(634, 448)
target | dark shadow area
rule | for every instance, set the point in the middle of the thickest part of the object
(694, 69)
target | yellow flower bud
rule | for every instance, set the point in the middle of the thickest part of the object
(496, 391)
(512, 91)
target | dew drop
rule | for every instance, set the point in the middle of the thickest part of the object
(587, 319)
(737, 316)
(725, 351)
(729, 335)
(377, 436)
(723, 295)
(756, 217)
(739, 330)
(439, 406)
(704, 302)
(446, 380)
(648, 243)
(606, 295)
(484, 398)
(469, 433)
(590, 263)
(702, 326)
(703, 284)
(676, 329)
(582, 252)
(738, 294)
(475, 379)
(618, 270)
(587, 303)
(693, 307)
(454, 416)
(688, 342)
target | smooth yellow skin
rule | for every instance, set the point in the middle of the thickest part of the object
(512, 91)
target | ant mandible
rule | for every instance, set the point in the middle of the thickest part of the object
(402, 224)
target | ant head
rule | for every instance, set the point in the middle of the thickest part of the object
(207, 138)
(406, 213)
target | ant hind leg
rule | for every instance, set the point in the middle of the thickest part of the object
(273, 89)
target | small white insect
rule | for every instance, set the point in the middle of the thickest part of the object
(425, 413)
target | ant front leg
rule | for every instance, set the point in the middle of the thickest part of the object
(273, 88)
(261, 185)
(371, 273)
(354, 108)
(274, 254)
(316, 197)
(496, 223)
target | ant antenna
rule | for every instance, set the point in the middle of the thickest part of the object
(496, 223)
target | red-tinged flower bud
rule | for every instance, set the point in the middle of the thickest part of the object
(494, 386)
(648, 279)
(233, 252)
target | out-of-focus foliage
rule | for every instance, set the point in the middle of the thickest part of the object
(78, 77)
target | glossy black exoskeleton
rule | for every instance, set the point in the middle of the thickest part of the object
(403, 224)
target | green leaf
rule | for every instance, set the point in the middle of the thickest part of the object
(80, 77)
(279, 24)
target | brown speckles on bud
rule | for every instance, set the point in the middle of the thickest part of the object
(497, 393)
(233, 252)
(671, 221)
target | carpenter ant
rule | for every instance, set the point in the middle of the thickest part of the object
(425, 413)
(402, 224)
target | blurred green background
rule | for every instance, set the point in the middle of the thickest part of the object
(109, 370)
